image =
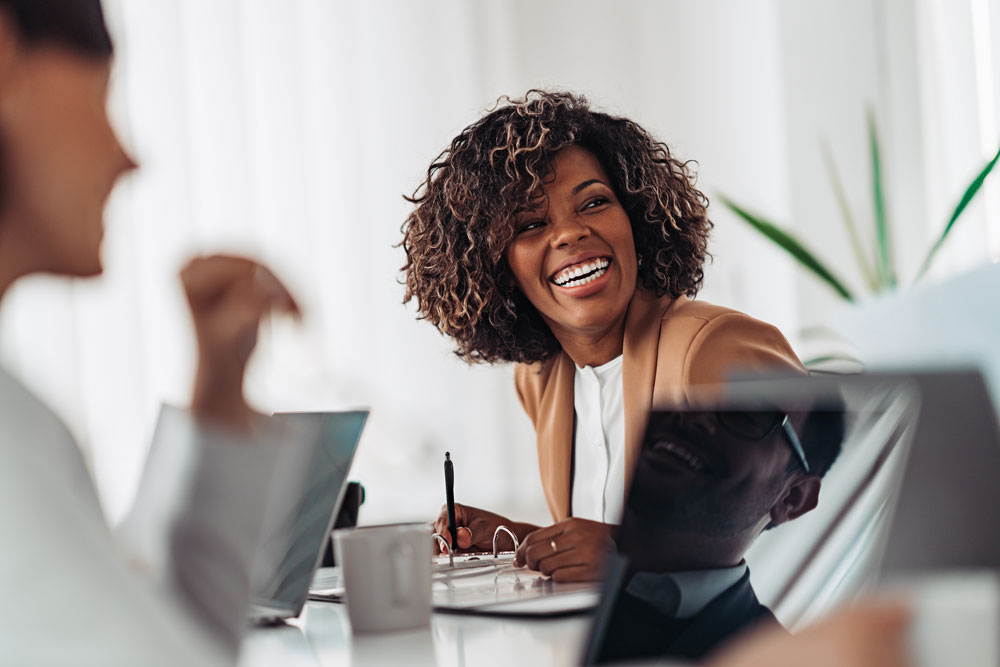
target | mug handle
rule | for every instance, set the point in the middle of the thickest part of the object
(401, 568)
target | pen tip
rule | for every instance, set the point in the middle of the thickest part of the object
(447, 456)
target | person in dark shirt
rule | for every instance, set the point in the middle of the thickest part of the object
(707, 484)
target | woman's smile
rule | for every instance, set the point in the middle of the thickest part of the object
(582, 273)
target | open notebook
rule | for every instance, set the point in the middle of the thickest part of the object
(480, 584)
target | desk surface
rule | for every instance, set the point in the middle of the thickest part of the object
(322, 636)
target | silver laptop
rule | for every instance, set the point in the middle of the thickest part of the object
(281, 592)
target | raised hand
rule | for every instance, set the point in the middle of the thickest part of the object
(228, 297)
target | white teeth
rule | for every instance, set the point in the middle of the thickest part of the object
(694, 462)
(582, 274)
(576, 282)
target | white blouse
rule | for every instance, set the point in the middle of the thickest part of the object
(169, 588)
(599, 446)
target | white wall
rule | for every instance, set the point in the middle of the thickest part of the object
(291, 129)
(927, 70)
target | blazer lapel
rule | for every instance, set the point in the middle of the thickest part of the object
(640, 348)
(557, 431)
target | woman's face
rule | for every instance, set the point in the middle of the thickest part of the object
(573, 256)
(60, 158)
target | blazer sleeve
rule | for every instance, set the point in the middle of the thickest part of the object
(734, 343)
(528, 384)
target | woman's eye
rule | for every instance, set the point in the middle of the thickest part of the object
(530, 226)
(595, 202)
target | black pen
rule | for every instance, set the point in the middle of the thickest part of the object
(449, 491)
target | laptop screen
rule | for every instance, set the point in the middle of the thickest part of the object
(307, 528)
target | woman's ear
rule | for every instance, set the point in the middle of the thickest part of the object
(801, 496)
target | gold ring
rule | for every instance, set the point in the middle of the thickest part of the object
(553, 545)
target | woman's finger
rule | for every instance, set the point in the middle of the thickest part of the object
(206, 278)
(464, 537)
(210, 279)
(545, 556)
(542, 536)
(274, 291)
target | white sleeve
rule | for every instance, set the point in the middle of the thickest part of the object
(198, 515)
(66, 594)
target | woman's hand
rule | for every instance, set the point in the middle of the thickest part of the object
(228, 297)
(476, 528)
(871, 634)
(570, 550)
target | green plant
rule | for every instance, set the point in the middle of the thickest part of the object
(878, 271)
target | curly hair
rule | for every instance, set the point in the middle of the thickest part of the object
(465, 212)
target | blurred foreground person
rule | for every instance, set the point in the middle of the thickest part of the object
(69, 593)
(706, 485)
(870, 634)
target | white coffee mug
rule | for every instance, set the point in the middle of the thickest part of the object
(386, 573)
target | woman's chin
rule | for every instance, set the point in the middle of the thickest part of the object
(91, 272)
(80, 267)
(592, 319)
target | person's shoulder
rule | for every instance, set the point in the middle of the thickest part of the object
(530, 381)
(24, 418)
(698, 323)
(719, 341)
(531, 375)
(703, 311)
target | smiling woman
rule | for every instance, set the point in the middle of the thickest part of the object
(571, 242)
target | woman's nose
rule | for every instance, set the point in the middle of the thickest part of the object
(568, 230)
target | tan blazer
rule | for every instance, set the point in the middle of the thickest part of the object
(670, 346)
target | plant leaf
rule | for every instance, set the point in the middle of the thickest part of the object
(792, 246)
(812, 361)
(852, 230)
(886, 271)
(970, 193)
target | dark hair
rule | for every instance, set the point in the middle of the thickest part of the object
(74, 24)
(822, 438)
(457, 235)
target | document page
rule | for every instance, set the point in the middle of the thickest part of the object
(488, 586)
(497, 587)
